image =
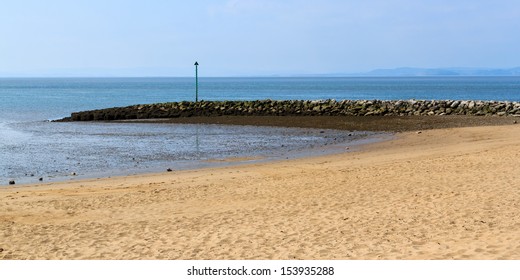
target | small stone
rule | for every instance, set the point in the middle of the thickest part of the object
(455, 104)
(73, 174)
(12, 182)
(40, 179)
(1, 250)
(169, 170)
(419, 132)
(515, 122)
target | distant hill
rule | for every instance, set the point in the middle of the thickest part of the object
(413, 72)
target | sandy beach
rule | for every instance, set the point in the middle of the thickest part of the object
(444, 193)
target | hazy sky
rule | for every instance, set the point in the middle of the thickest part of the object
(253, 37)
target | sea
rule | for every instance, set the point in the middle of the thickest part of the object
(32, 148)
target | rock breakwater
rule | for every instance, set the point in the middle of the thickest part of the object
(302, 108)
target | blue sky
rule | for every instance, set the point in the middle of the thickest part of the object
(253, 37)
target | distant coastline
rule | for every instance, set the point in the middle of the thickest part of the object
(454, 71)
(426, 72)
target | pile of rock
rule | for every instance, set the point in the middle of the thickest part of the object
(302, 108)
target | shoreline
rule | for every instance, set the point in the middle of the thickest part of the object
(384, 124)
(270, 144)
(446, 193)
(350, 123)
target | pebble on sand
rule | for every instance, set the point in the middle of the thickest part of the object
(12, 182)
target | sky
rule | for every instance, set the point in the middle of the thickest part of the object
(253, 37)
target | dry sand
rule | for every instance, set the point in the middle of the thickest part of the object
(442, 194)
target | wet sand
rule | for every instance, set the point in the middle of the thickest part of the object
(445, 193)
(369, 123)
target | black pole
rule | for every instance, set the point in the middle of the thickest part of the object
(196, 81)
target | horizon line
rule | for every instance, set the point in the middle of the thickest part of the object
(256, 76)
(379, 72)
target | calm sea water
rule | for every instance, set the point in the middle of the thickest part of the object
(31, 147)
